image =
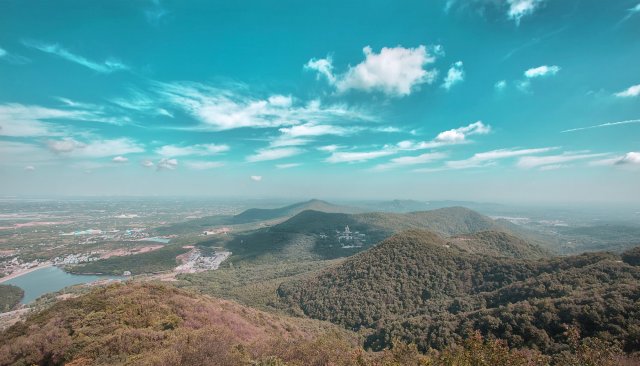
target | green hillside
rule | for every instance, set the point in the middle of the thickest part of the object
(418, 287)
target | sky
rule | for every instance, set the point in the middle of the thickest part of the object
(484, 100)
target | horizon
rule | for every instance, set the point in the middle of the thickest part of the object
(523, 103)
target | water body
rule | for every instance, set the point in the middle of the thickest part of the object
(49, 279)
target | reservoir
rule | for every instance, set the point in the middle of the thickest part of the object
(49, 279)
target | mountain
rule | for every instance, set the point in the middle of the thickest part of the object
(399, 206)
(317, 235)
(264, 214)
(420, 288)
(252, 216)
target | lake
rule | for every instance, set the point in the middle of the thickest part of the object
(49, 279)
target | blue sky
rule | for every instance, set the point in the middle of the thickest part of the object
(489, 100)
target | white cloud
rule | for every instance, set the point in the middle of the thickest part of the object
(454, 136)
(273, 154)
(94, 148)
(500, 85)
(520, 8)
(168, 164)
(107, 66)
(630, 158)
(287, 166)
(395, 71)
(329, 148)
(389, 129)
(323, 66)
(224, 109)
(357, 157)
(632, 91)
(529, 162)
(256, 178)
(120, 159)
(203, 165)
(411, 160)
(29, 168)
(454, 76)
(147, 163)
(199, 150)
(541, 71)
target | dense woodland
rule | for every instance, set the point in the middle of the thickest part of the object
(144, 324)
(10, 297)
(417, 287)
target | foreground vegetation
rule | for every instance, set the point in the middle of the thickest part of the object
(145, 324)
(10, 297)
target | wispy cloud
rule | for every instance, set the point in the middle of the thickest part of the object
(394, 71)
(94, 148)
(540, 71)
(108, 66)
(454, 76)
(287, 166)
(608, 124)
(411, 160)
(630, 12)
(224, 109)
(515, 9)
(358, 156)
(120, 159)
(199, 149)
(632, 91)
(529, 162)
(19, 120)
(256, 178)
(274, 154)
(156, 12)
(12, 57)
(484, 159)
(203, 165)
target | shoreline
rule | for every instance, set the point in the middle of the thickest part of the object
(24, 272)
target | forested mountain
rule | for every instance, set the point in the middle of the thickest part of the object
(419, 287)
(317, 234)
